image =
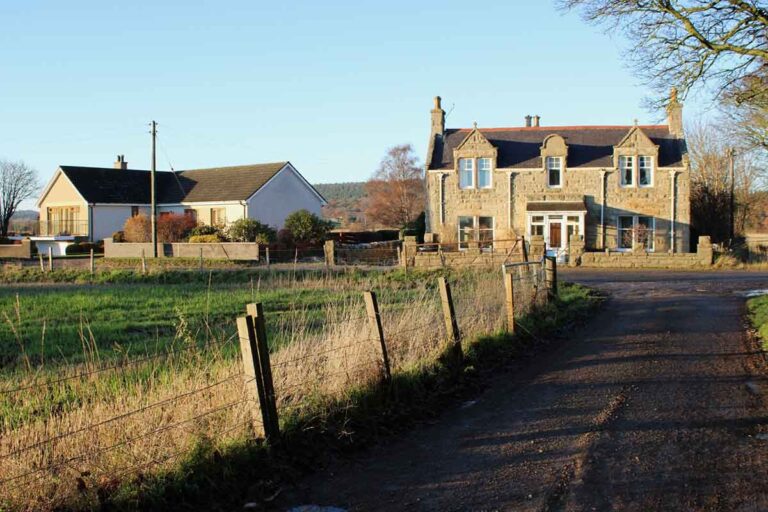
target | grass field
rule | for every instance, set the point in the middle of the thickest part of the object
(154, 416)
(47, 324)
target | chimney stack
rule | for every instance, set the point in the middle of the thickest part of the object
(120, 163)
(536, 120)
(528, 121)
(675, 114)
(438, 118)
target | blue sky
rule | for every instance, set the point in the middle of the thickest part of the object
(328, 85)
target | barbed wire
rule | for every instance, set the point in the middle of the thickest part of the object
(323, 352)
(124, 442)
(119, 366)
(118, 417)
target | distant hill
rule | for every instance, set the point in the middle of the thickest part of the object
(26, 215)
(345, 202)
(345, 194)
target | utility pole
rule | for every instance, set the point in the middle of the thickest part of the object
(152, 195)
(732, 208)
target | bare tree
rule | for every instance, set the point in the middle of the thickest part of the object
(396, 192)
(18, 182)
(708, 147)
(722, 44)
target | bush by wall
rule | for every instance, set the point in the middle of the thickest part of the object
(204, 239)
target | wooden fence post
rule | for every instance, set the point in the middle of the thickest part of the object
(92, 264)
(525, 249)
(550, 273)
(50, 258)
(449, 317)
(509, 302)
(143, 262)
(252, 370)
(554, 277)
(272, 423)
(201, 259)
(374, 318)
(267, 255)
(42, 265)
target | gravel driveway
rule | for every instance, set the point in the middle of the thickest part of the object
(657, 404)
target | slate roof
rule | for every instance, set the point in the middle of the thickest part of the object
(131, 186)
(588, 146)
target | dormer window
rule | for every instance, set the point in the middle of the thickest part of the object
(554, 171)
(645, 171)
(484, 172)
(466, 173)
(627, 170)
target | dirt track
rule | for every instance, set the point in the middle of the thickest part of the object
(654, 406)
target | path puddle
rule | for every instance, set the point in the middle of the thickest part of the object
(752, 293)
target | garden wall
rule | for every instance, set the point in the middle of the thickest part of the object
(242, 251)
(701, 259)
(16, 251)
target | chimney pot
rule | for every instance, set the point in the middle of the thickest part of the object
(536, 121)
(528, 121)
(120, 163)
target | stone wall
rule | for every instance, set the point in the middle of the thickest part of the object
(235, 251)
(700, 259)
(16, 251)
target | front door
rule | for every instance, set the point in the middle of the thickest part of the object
(555, 235)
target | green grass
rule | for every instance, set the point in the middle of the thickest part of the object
(122, 312)
(758, 313)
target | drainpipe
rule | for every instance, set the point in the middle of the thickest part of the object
(510, 183)
(245, 209)
(90, 223)
(673, 209)
(602, 208)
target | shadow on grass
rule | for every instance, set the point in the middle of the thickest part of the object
(223, 478)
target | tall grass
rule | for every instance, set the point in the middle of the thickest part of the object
(75, 440)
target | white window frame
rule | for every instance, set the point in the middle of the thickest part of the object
(650, 168)
(489, 170)
(549, 168)
(475, 230)
(470, 170)
(622, 175)
(633, 229)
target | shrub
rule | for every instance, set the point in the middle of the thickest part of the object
(206, 230)
(118, 236)
(137, 229)
(204, 239)
(307, 227)
(248, 230)
(174, 227)
(82, 248)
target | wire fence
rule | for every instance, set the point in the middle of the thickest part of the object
(319, 364)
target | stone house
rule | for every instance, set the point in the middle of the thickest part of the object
(91, 203)
(620, 188)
